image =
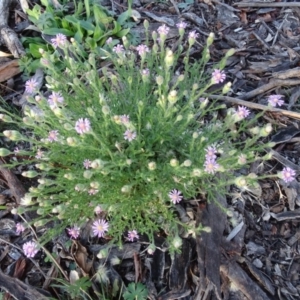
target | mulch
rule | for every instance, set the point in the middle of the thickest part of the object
(251, 253)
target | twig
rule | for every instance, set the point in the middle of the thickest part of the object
(226, 5)
(175, 6)
(290, 114)
(266, 4)
(272, 84)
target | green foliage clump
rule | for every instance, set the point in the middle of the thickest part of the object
(133, 138)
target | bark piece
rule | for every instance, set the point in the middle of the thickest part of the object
(14, 184)
(9, 37)
(209, 246)
(20, 290)
(243, 282)
(178, 270)
(9, 70)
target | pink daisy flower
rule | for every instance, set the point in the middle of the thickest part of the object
(163, 30)
(118, 49)
(74, 232)
(59, 40)
(211, 166)
(92, 191)
(31, 86)
(19, 228)
(218, 76)
(211, 152)
(55, 98)
(53, 136)
(124, 119)
(129, 135)
(193, 35)
(275, 100)
(132, 235)
(83, 125)
(175, 196)
(145, 72)
(142, 50)
(87, 163)
(39, 154)
(242, 112)
(181, 25)
(100, 227)
(288, 174)
(30, 249)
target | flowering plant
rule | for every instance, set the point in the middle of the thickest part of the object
(123, 144)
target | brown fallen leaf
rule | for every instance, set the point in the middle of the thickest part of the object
(80, 255)
(9, 70)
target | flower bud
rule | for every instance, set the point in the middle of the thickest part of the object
(179, 118)
(195, 86)
(146, 24)
(128, 162)
(88, 174)
(229, 53)
(177, 242)
(30, 174)
(97, 164)
(154, 35)
(180, 78)
(94, 185)
(226, 88)
(69, 176)
(172, 97)
(13, 135)
(206, 229)
(210, 39)
(126, 189)
(187, 163)
(265, 131)
(72, 141)
(174, 162)
(43, 166)
(5, 118)
(152, 166)
(195, 135)
(105, 110)
(240, 182)
(151, 248)
(28, 121)
(26, 200)
(169, 59)
(268, 156)
(255, 131)
(197, 173)
(68, 126)
(159, 80)
(4, 152)
(91, 112)
(103, 253)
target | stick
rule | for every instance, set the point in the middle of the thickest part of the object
(266, 4)
(287, 113)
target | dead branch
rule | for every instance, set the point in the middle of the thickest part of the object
(9, 37)
(290, 114)
(266, 4)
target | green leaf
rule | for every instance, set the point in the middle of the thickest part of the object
(34, 49)
(101, 16)
(45, 2)
(136, 292)
(117, 28)
(98, 33)
(72, 19)
(91, 42)
(123, 32)
(79, 9)
(87, 8)
(55, 31)
(123, 17)
(87, 25)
